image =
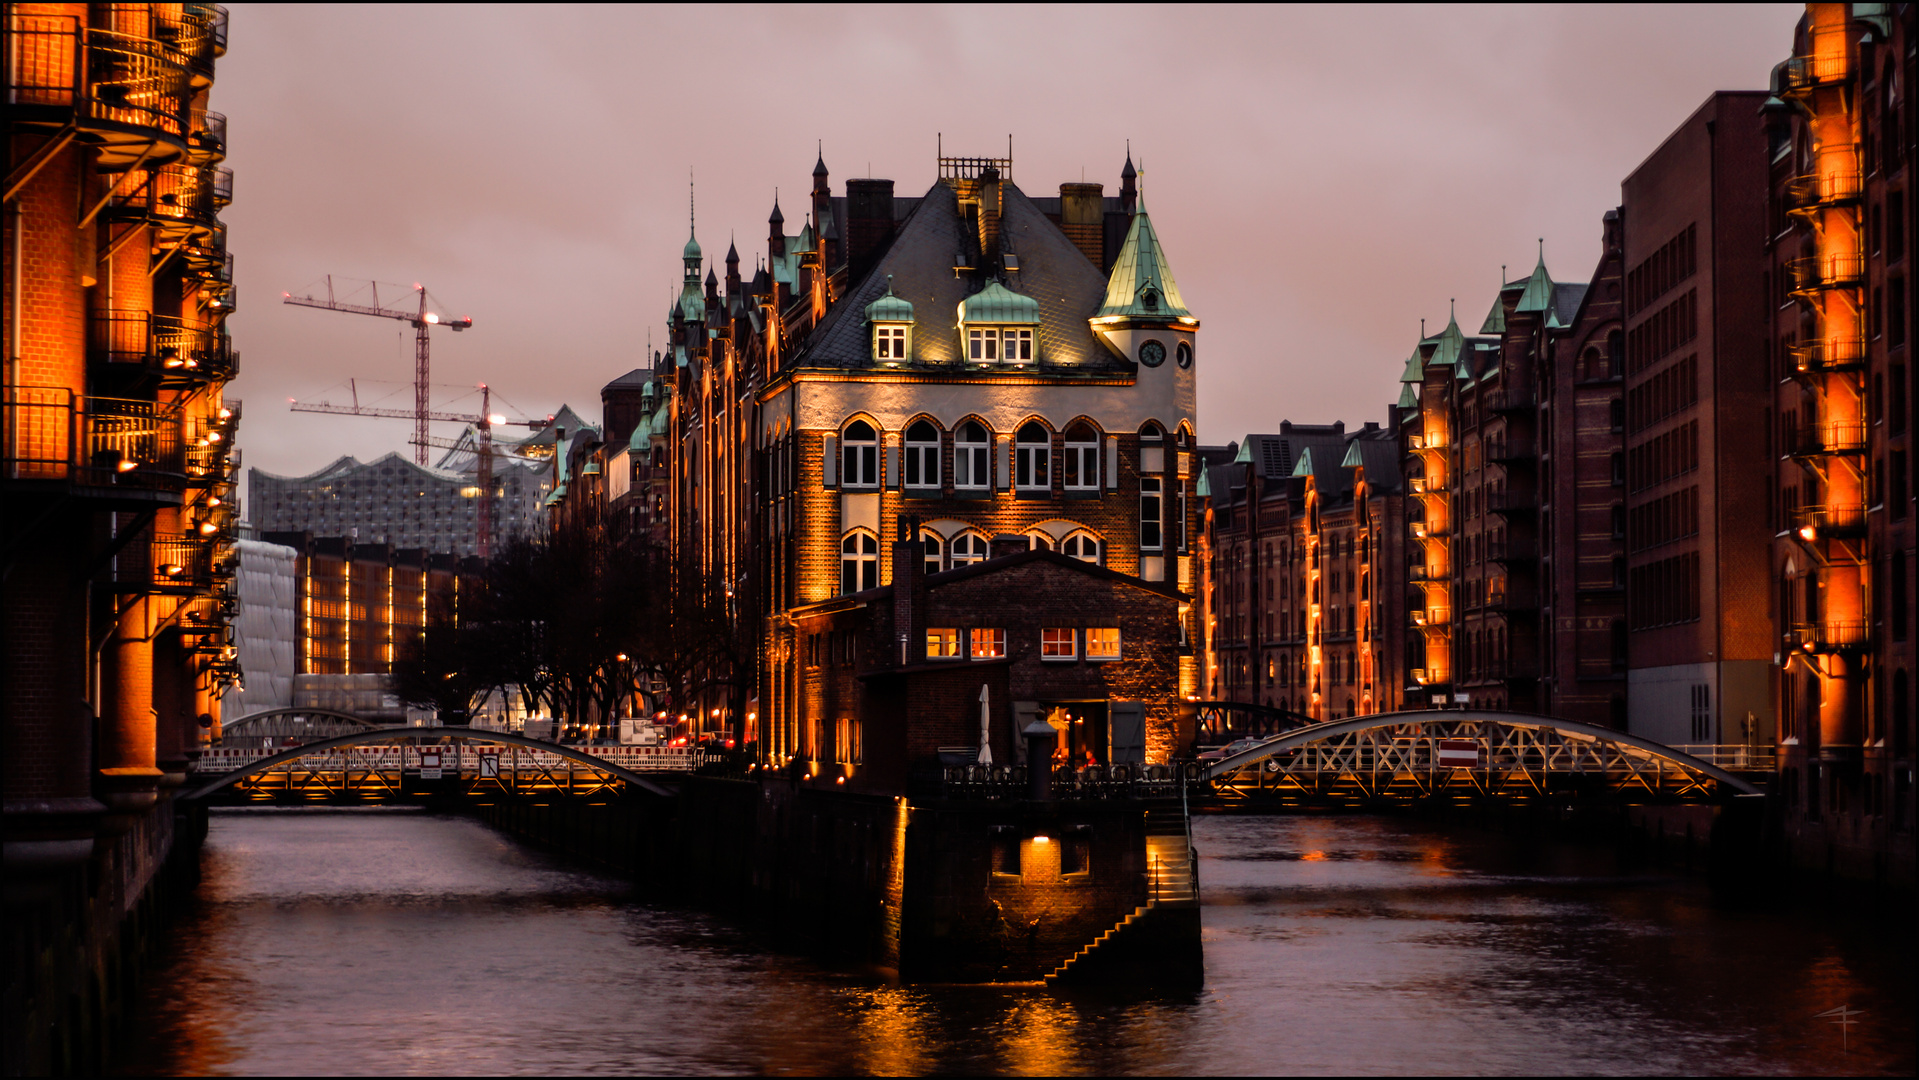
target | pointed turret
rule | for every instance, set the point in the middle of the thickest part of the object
(1538, 296)
(1128, 184)
(775, 231)
(1141, 285)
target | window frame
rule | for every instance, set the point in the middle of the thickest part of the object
(1079, 453)
(892, 341)
(861, 558)
(933, 551)
(990, 647)
(1032, 459)
(976, 453)
(1082, 537)
(979, 549)
(1152, 513)
(1102, 657)
(920, 457)
(1017, 339)
(944, 643)
(863, 452)
(1050, 642)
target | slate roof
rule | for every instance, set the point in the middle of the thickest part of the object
(639, 376)
(1053, 271)
(1378, 453)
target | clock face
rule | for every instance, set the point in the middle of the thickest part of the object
(1152, 354)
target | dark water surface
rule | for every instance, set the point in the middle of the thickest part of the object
(391, 941)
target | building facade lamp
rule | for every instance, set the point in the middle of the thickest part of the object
(1807, 532)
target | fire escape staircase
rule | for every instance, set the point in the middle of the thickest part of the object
(1172, 884)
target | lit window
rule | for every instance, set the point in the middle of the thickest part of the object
(968, 548)
(1149, 513)
(1033, 469)
(1082, 458)
(942, 644)
(922, 455)
(860, 456)
(969, 456)
(1058, 643)
(1017, 346)
(859, 562)
(988, 644)
(1081, 546)
(889, 342)
(1102, 643)
(846, 741)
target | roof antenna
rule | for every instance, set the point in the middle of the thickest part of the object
(1422, 329)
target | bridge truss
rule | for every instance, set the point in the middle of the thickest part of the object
(1421, 755)
(382, 764)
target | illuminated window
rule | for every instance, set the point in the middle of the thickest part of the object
(922, 455)
(859, 562)
(889, 342)
(1082, 458)
(969, 456)
(1033, 470)
(1058, 643)
(988, 644)
(942, 644)
(860, 456)
(846, 741)
(968, 548)
(1102, 643)
(1082, 546)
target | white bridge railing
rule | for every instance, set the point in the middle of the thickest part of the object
(463, 757)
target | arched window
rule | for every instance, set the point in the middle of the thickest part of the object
(967, 549)
(1039, 541)
(970, 444)
(860, 458)
(935, 548)
(922, 455)
(1082, 458)
(1083, 546)
(859, 562)
(1033, 470)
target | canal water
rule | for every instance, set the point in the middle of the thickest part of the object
(398, 941)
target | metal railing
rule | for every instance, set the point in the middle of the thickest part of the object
(54, 65)
(1841, 438)
(1084, 783)
(163, 343)
(1732, 755)
(208, 142)
(1837, 271)
(1818, 190)
(1828, 354)
(1830, 636)
(1802, 74)
(1820, 522)
(113, 442)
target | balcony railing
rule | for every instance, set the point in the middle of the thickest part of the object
(1507, 501)
(1829, 522)
(202, 37)
(104, 82)
(161, 343)
(1830, 636)
(1828, 354)
(189, 561)
(1804, 74)
(1431, 617)
(1837, 271)
(208, 142)
(113, 443)
(1820, 190)
(1815, 440)
(206, 253)
(1511, 451)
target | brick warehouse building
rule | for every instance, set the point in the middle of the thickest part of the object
(817, 402)
(1837, 264)
(117, 471)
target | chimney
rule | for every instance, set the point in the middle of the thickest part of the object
(1008, 544)
(1082, 217)
(989, 211)
(869, 224)
(909, 586)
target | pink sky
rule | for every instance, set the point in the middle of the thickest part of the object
(1322, 178)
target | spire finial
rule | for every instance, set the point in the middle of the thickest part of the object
(691, 216)
(1422, 329)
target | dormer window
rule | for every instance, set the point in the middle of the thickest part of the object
(891, 318)
(997, 326)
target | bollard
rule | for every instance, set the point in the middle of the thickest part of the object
(1039, 759)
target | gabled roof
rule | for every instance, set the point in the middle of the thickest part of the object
(1408, 398)
(639, 376)
(1141, 285)
(1378, 453)
(1538, 294)
(1053, 272)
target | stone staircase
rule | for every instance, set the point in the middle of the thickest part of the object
(1171, 885)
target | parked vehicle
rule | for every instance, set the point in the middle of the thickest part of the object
(1235, 747)
(639, 731)
(538, 727)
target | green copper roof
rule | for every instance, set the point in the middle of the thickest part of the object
(997, 304)
(1496, 318)
(692, 249)
(1245, 451)
(1142, 285)
(1415, 368)
(1539, 289)
(692, 303)
(1449, 343)
(1203, 489)
(1304, 467)
(1407, 398)
(891, 308)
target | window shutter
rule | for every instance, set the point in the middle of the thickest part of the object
(830, 461)
(1112, 463)
(1128, 736)
(1004, 480)
(893, 467)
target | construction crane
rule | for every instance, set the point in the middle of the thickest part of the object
(421, 319)
(483, 423)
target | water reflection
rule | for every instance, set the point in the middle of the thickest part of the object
(395, 942)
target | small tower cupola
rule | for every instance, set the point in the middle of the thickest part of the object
(891, 318)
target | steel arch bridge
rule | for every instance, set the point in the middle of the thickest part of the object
(1422, 754)
(262, 730)
(341, 765)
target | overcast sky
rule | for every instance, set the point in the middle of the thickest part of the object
(1322, 178)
